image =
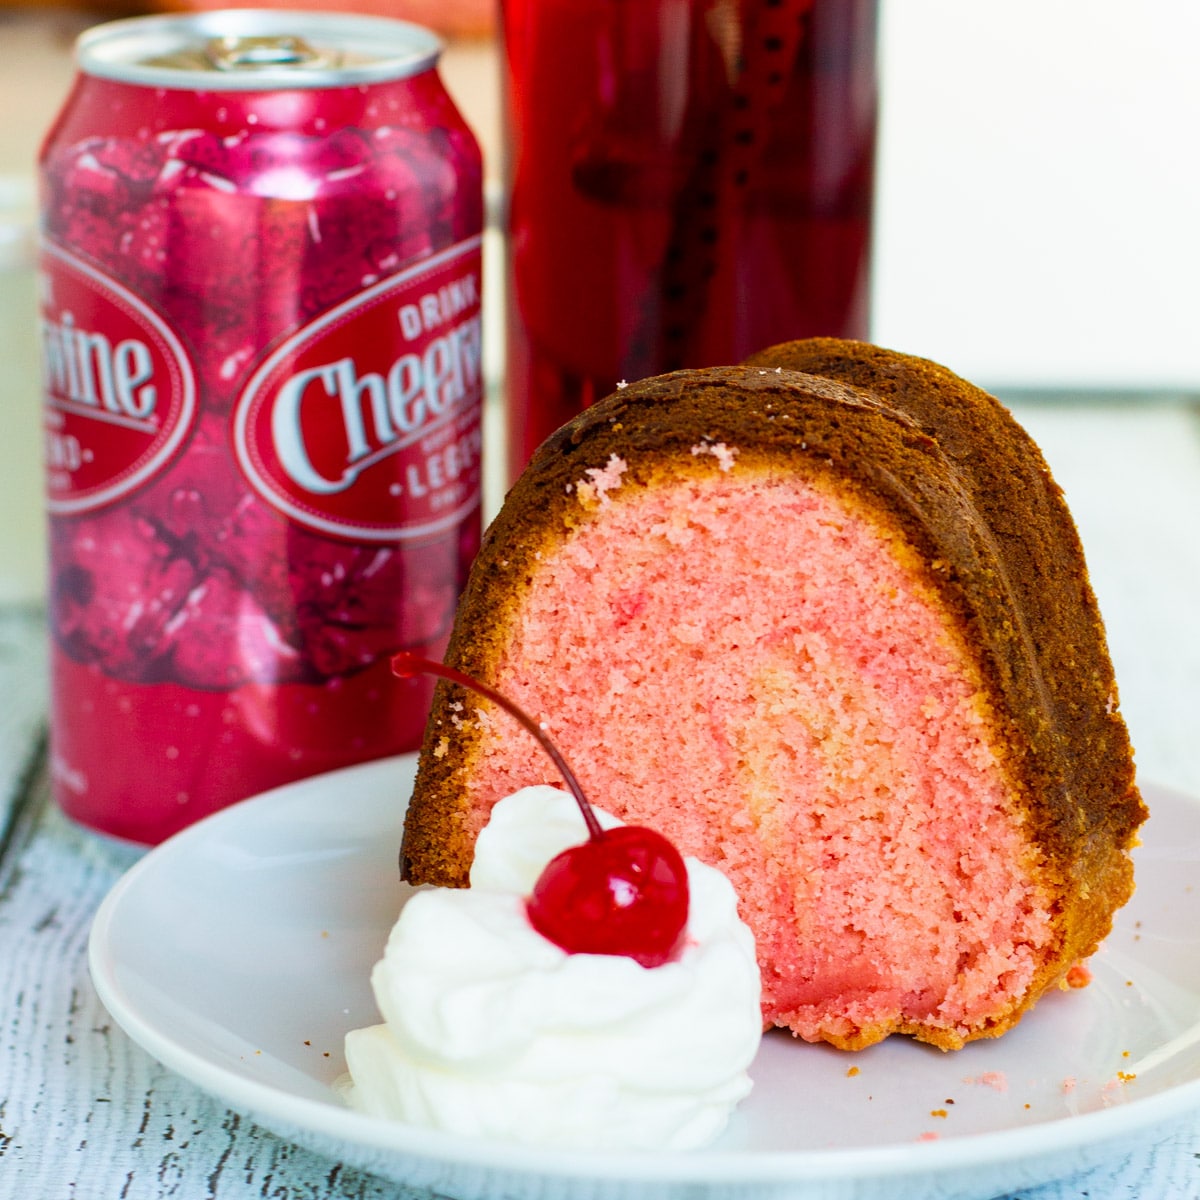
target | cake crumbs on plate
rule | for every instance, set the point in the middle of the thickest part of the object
(851, 1072)
(1115, 1084)
(997, 1080)
(1078, 976)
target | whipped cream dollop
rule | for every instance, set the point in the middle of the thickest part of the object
(492, 1030)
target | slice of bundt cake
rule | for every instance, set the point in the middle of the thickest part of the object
(823, 620)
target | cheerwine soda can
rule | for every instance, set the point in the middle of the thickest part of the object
(260, 315)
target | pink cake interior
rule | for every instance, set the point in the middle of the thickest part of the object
(744, 663)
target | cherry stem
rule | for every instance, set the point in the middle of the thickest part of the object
(406, 665)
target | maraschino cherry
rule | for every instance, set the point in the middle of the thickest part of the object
(623, 891)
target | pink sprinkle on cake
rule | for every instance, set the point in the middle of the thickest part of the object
(828, 628)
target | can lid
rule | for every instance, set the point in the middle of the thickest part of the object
(249, 50)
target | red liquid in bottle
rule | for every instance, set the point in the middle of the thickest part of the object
(690, 182)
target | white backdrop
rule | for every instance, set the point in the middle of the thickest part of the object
(1038, 218)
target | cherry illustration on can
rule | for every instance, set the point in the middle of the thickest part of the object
(260, 322)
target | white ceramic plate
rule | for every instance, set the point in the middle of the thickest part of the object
(238, 953)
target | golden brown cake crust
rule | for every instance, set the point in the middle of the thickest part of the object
(1055, 674)
(972, 495)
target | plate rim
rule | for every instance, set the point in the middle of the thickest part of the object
(1056, 1135)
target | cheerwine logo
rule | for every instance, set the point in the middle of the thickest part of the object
(119, 393)
(365, 424)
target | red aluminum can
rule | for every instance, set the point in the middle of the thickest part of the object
(261, 350)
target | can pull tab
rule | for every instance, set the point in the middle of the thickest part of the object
(262, 53)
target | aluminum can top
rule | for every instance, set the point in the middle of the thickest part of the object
(247, 50)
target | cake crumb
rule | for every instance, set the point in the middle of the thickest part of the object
(601, 480)
(938, 1112)
(724, 454)
(929, 1136)
(997, 1080)
(1078, 976)
(851, 1072)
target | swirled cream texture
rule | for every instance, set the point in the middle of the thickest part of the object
(491, 1030)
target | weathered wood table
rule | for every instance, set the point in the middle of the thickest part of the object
(85, 1114)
